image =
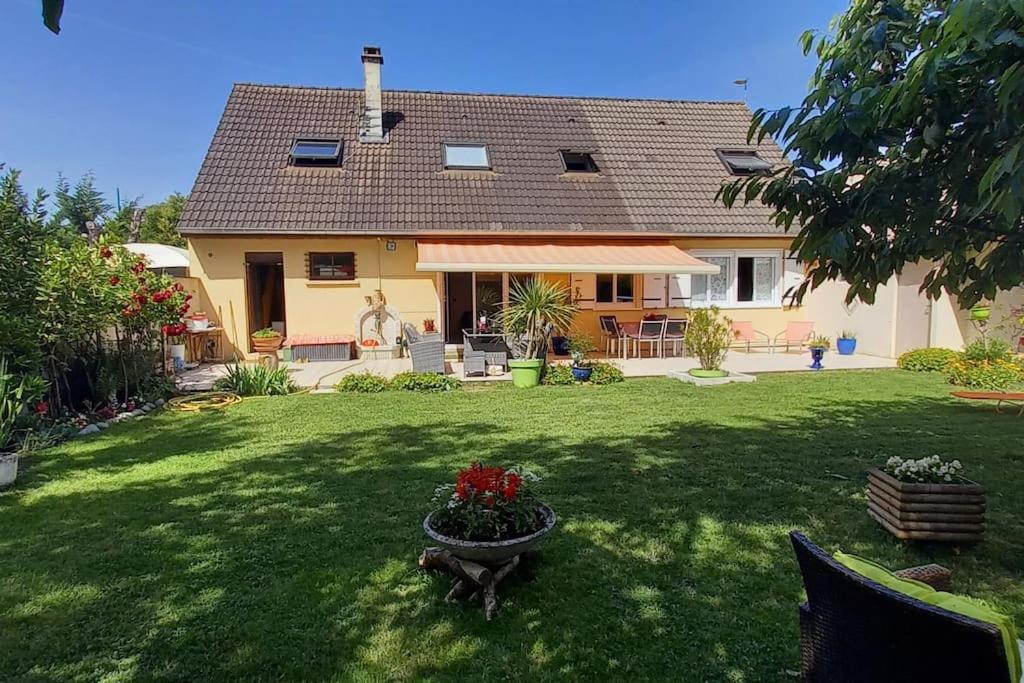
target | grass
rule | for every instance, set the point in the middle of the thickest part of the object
(276, 540)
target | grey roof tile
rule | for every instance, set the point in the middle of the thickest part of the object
(655, 177)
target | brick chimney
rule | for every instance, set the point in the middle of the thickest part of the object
(371, 123)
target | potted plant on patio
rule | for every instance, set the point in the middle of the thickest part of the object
(13, 396)
(579, 346)
(535, 308)
(846, 344)
(267, 340)
(175, 334)
(708, 337)
(818, 346)
(926, 499)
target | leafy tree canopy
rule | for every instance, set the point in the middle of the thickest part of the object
(909, 146)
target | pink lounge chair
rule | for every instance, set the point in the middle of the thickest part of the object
(745, 333)
(796, 332)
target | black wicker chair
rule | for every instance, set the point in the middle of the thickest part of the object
(853, 629)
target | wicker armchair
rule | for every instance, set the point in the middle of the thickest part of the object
(425, 350)
(853, 629)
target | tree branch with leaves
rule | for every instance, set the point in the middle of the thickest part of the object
(908, 147)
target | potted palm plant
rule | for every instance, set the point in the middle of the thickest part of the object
(12, 399)
(535, 308)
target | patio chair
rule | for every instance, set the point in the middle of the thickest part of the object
(479, 351)
(611, 333)
(745, 334)
(651, 332)
(853, 629)
(425, 350)
(796, 332)
(675, 334)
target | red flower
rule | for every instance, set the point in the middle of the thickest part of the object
(178, 287)
(188, 297)
(105, 252)
(139, 266)
(183, 310)
(115, 281)
(42, 408)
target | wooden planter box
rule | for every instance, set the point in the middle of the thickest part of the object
(927, 512)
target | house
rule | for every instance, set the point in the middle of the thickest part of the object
(312, 200)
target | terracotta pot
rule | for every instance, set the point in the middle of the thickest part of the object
(267, 344)
(927, 512)
(492, 552)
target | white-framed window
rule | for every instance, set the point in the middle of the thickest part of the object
(748, 278)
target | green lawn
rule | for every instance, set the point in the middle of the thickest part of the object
(277, 540)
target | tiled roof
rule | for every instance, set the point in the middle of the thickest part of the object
(659, 170)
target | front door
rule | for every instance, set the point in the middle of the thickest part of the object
(264, 284)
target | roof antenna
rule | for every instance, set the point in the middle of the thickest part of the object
(743, 82)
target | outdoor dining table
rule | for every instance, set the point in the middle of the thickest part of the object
(626, 329)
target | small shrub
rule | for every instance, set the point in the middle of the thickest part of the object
(997, 375)
(558, 374)
(255, 380)
(847, 334)
(362, 383)
(580, 344)
(708, 337)
(600, 373)
(424, 382)
(927, 360)
(605, 373)
(265, 333)
(990, 350)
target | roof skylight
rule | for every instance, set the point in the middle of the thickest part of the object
(743, 162)
(316, 152)
(466, 156)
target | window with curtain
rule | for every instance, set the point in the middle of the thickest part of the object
(744, 279)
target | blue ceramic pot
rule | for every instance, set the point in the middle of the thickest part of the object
(816, 356)
(846, 347)
(581, 374)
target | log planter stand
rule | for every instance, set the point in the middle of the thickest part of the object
(475, 581)
(479, 566)
(927, 512)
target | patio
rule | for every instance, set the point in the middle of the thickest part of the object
(324, 375)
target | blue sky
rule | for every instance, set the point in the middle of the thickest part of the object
(133, 90)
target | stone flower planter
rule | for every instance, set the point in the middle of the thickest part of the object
(8, 469)
(492, 552)
(927, 512)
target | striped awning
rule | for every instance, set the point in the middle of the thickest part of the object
(557, 256)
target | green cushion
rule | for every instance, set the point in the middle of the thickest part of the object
(968, 607)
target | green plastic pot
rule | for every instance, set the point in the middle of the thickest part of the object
(981, 312)
(705, 374)
(526, 373)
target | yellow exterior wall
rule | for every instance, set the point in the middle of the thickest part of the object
(311, 307)
(318, 307)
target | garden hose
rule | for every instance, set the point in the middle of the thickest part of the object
(206, 400)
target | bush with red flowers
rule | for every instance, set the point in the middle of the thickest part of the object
(487, 503)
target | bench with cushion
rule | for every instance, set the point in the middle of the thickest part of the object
(853, 628)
